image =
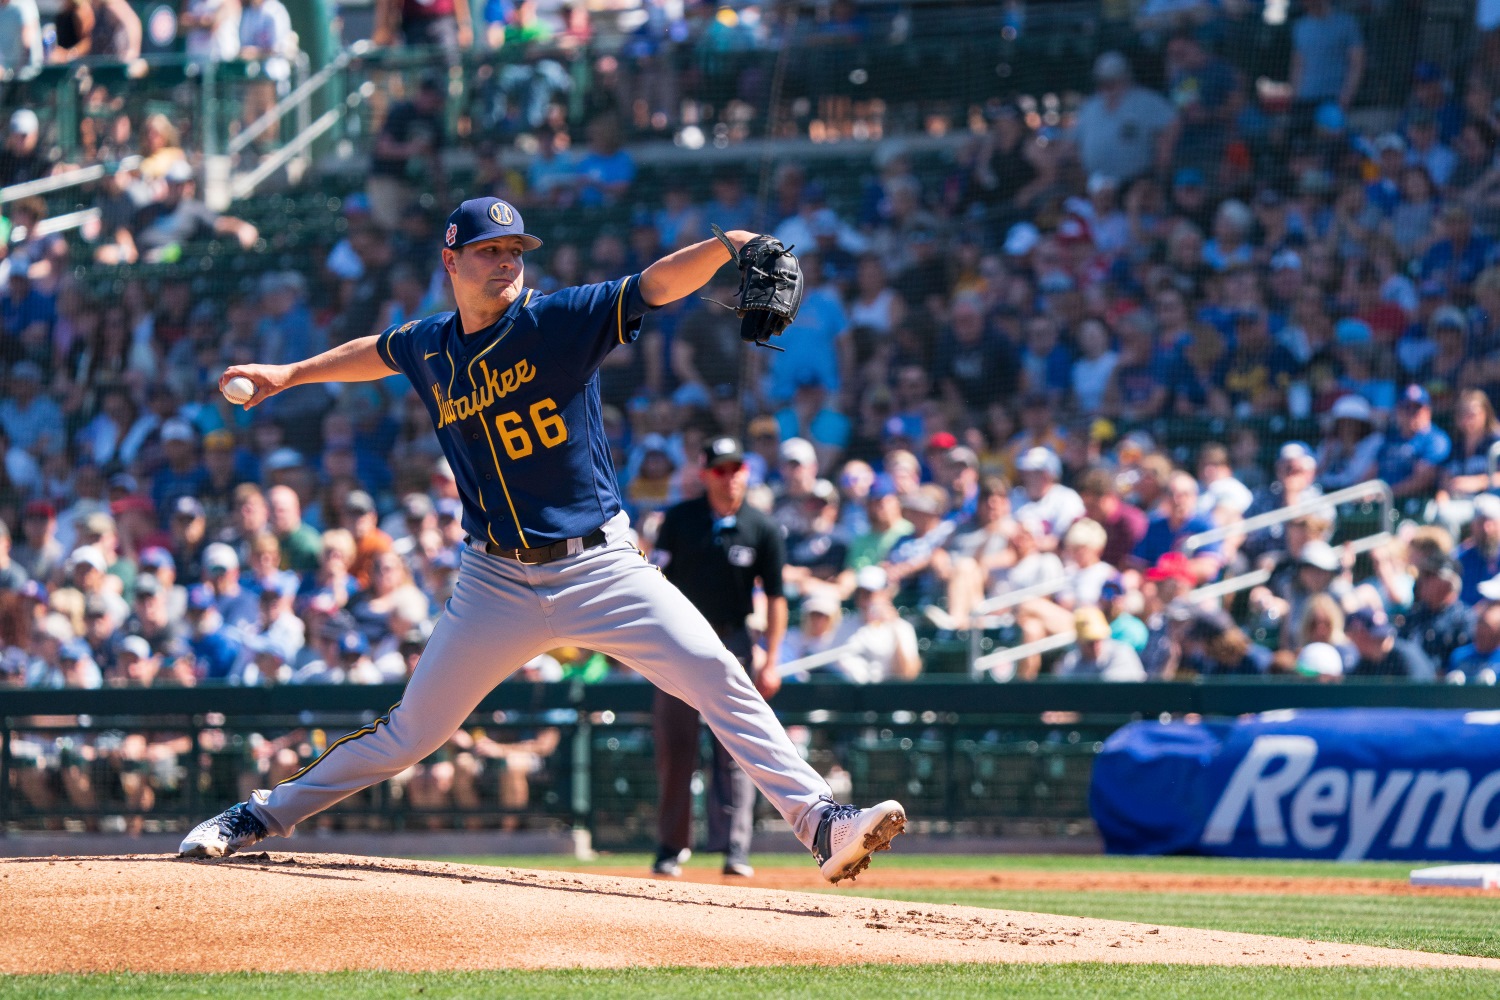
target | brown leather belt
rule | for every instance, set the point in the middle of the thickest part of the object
(548, 553)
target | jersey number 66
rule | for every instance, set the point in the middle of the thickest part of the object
(550, 429)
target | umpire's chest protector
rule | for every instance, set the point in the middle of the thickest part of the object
(516, 407)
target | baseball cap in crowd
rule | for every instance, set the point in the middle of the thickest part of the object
(270, 648)
(180, 172)
(825, 491)
(798, 451)
(1296, 451)
(1039, 459)
(283, 458)
(1352, 407)
(359, 502)
(1330, 117)
(187, 507)
(156, 557)
(963, 455)
(416, 506)
(1112, 588)
(821, 603)
(871, 578)
(1320, 555)
(1111, 67)
(199, 597)
(124, 482)
(39, 508)
(86, 555)
(147, 585)
(1021, 239)
(1487, 506)
(1172, 566)
(219, 556)
(283, 583)
(722, 450)
(1100, 182)
(1286, 260)
(942, 441)
(177, 429)
(1389, 142)
(1189, 177)
(1449, 318)
(1414, 395)
(1352, 331)
(449, 509)
(135, 645)
(1370, 620)
(929, 500)
(1490, 589)
(1207, 624)
(73, 650)
(1319, 659)
(353, 643)
(1090, 624)
(25, 122)
(442, 470)
(218, 440)
(485, 219)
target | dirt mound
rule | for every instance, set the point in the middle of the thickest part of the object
(285, 912)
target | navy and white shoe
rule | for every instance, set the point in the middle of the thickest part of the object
(848, 835)
(234, 829)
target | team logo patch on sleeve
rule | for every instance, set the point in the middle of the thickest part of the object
(451, 236)
(406, 326)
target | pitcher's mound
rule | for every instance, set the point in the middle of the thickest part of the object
(286, 912)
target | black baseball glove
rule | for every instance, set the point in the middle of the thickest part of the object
(770, 288)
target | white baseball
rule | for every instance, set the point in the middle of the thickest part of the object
(239, 390)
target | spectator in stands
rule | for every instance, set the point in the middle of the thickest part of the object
(369, 541)
(162, 227)
(1475, 431)
(1479, 558)
(1323, 622)
(1414, 450)
(23, 158)
(1124, 526)
(1479, 660)
(1041, 498)
(117, 31)
(1328, 57)
(211, 29)
(300, 543)
(237, 606)
(919, 566)
(881, 644)
(407, 152)
(1166, 531)
(444, 24)
(1214, 646)
(1124, 130)
(1349, 454)
(1381, 653)
(20, 39)
(31, 420)
(1437, 622)
(1096, 655)
(817, 345)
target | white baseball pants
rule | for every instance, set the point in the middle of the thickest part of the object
(503, 613)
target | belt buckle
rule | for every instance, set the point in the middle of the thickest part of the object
(522, 561)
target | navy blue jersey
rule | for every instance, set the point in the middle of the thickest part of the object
(517, 410)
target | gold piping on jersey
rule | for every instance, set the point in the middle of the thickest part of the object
(620, 310)
(504, 489)
(364, 731)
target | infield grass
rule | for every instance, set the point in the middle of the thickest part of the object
(1066, 982)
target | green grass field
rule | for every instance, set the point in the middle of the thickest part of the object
(1461, 925)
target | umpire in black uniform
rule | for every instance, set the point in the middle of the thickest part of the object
(715, 549)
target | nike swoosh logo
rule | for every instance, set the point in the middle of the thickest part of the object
(432, 355)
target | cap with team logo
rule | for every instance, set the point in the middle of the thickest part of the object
(485, 219)
(722, 449)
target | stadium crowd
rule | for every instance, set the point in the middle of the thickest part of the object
(973, 399)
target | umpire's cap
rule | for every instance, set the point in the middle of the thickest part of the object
(722, 450)
(485, 219)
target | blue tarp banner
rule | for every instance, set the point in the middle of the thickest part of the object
(1404, 784)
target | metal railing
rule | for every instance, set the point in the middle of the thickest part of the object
(63, 181)
(1362, 491)
(995, 663)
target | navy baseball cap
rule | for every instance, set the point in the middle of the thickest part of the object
(485, 219)
(1415, 395)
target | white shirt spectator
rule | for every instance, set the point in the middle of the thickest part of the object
(1120, 139)
(219, 42)
(20, 36)
(1116, 662)
(874, 647)
(267, 28)
(1057, 508)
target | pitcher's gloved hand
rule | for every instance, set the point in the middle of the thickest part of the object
(770, 288)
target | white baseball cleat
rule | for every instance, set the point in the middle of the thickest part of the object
(232, 830)
(848, 835)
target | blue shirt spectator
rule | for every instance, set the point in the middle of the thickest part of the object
(810, 348)
(1414, 449)
(1327, 50)
(32, 421)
